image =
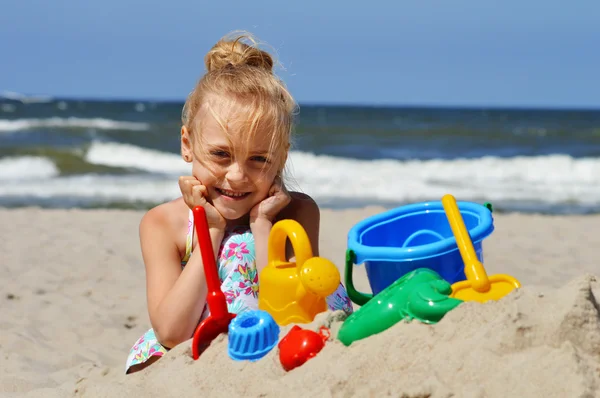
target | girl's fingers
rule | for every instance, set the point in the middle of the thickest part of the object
(182, 184)
(183, 179)
(186, 183)
(198, 194)
(275, 188)
(193, 191)
(203, 190)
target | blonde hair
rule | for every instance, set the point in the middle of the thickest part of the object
(240, 75)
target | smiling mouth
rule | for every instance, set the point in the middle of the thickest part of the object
(232, 194)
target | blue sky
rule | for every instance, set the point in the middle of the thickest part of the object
(460, 52)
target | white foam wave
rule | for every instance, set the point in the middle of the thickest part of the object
(26, 99)
(125, 155)
(550, 179)
(70, 122)
(16, 169)
(96, 188)
(553, 179)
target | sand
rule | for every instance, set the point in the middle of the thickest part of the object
(72, 302)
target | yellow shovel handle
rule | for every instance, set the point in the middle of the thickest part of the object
(473, 268)
(292, 230)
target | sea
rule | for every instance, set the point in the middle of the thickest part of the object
(62, 153)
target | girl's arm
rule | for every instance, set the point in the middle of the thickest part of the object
(175, 298)
(261, 230)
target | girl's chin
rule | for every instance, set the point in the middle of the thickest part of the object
(232, 214)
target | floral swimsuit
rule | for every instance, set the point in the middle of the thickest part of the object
(239, 283)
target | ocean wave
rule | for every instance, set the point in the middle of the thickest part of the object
(22, 168)
(96, 188)
(550, 179)
(126, 155)
(26, 99)
(70, 122)
(540, 179)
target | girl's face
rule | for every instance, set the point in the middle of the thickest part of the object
(237, 174)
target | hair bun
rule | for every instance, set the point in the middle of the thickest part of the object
(235, 52)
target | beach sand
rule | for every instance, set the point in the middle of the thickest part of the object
(72, 303)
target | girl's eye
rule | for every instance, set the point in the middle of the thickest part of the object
(261, 159)
(220, 154)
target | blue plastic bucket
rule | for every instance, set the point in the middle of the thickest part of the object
(395, 242)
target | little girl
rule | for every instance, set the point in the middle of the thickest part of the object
(236, 132)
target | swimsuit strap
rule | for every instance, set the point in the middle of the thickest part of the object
(189, 239)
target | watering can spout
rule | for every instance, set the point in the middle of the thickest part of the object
(295, 291)
(319, 276)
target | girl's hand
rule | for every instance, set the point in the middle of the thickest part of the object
(194, 194)
(275, 201)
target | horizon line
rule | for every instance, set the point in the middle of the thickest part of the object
(20, 97)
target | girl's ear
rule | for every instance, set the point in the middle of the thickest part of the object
(186, 145)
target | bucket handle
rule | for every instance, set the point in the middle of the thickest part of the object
(419, 233)
(354, 295)
(489, 206)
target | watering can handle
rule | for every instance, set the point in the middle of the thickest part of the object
(356, 296)
(292, 230)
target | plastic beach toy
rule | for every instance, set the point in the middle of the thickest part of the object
(421, 294)
(220, 317)
(294, 292)
(300, 345)
(478, 286)
(395, 242)
(252, 334)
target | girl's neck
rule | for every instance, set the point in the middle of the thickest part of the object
(242, 221)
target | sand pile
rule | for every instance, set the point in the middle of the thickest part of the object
(532, 343)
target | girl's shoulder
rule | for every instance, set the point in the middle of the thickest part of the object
(301, 207)
(169, 220)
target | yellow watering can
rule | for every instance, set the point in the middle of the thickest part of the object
(294, 292)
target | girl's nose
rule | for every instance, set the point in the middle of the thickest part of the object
(236, 172)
